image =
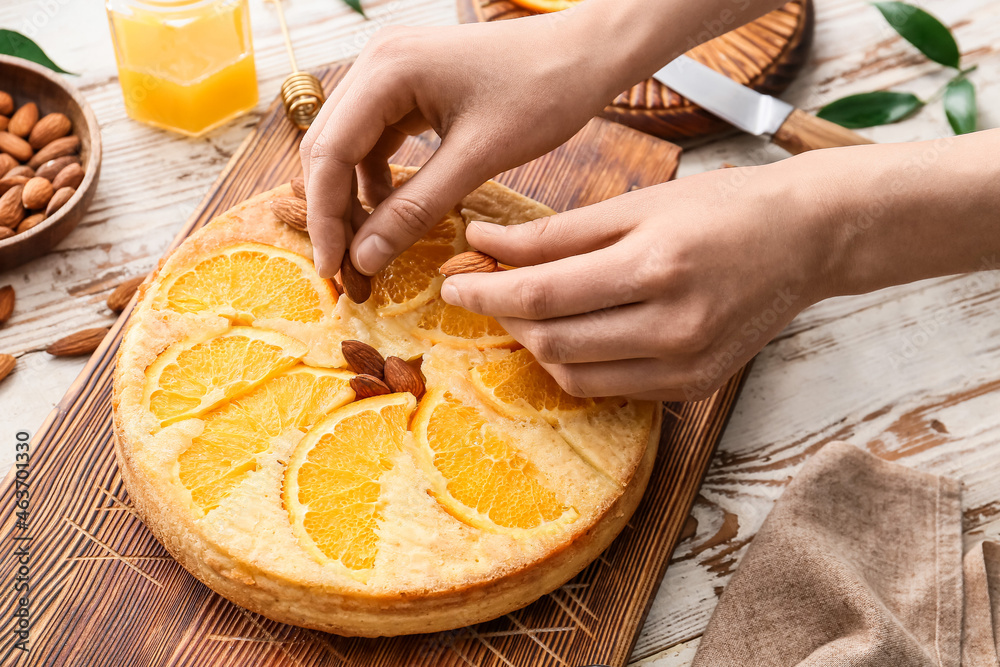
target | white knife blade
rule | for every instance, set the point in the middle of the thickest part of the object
(736, 104)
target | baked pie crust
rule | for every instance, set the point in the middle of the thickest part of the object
(434, 561)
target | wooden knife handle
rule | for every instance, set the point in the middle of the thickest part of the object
(803, 132)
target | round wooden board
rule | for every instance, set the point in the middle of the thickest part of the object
(765, 54)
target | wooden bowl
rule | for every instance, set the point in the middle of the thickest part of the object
(28, 82)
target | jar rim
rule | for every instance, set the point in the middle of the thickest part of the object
(168, 5)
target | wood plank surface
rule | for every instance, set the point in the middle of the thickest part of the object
(103, 590)
(923, 356)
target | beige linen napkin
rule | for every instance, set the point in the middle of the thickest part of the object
(982, 607)
(860, 564)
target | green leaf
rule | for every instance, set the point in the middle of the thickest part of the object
(960, 105)
(356, 6)
(15, 44)
(923, 31)
(867, 109)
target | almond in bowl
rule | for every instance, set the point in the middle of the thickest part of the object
(389, 467)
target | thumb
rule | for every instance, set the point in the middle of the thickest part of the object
(411, 210)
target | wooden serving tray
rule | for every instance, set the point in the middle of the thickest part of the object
(104, 592)
(765, 55)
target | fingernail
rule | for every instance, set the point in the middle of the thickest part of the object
(450, 293)
(373, 252)
(487, 228)
(319, 261)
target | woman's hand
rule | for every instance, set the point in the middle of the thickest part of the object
(498, 94)
(664, 293)
(658, 294)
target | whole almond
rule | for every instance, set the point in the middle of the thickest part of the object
(291, 211)
(23, 120)
(119, 298)
(6, 103)
(52, 150)
(299, 187)
(7, 163)
(357, 285)
(37, 193)
(11, 209)
(6, 233)
(7, 182)
(29, 222)
(7, 363)
(363, 358)
(6, 302)
(18, 148)
(48, 129)
(4, 122)
(400, 377)
(21, 170)
(59, 199)
(79, 343)
(70, 177)
(52, 168)
(366, 386)
(469, 262)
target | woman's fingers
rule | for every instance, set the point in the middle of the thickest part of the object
(352, 130)
(553, 237)
(314, 131)
(408, 213)
(652, 379)
(632, 331)
(570, 286)
(374, 175)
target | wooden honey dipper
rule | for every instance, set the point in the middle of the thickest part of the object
(301, 93)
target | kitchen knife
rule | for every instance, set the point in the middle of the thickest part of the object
(753, 112)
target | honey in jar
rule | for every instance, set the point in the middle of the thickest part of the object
(184, 65)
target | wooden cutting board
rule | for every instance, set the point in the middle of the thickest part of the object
(104, 592)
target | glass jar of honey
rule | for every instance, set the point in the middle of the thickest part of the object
(184, 65)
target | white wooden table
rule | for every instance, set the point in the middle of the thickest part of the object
(911, 373)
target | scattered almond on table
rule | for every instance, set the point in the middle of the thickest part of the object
(7, 363)
(6, 303)
(39, 165)
(119, 298)
(76, 344)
